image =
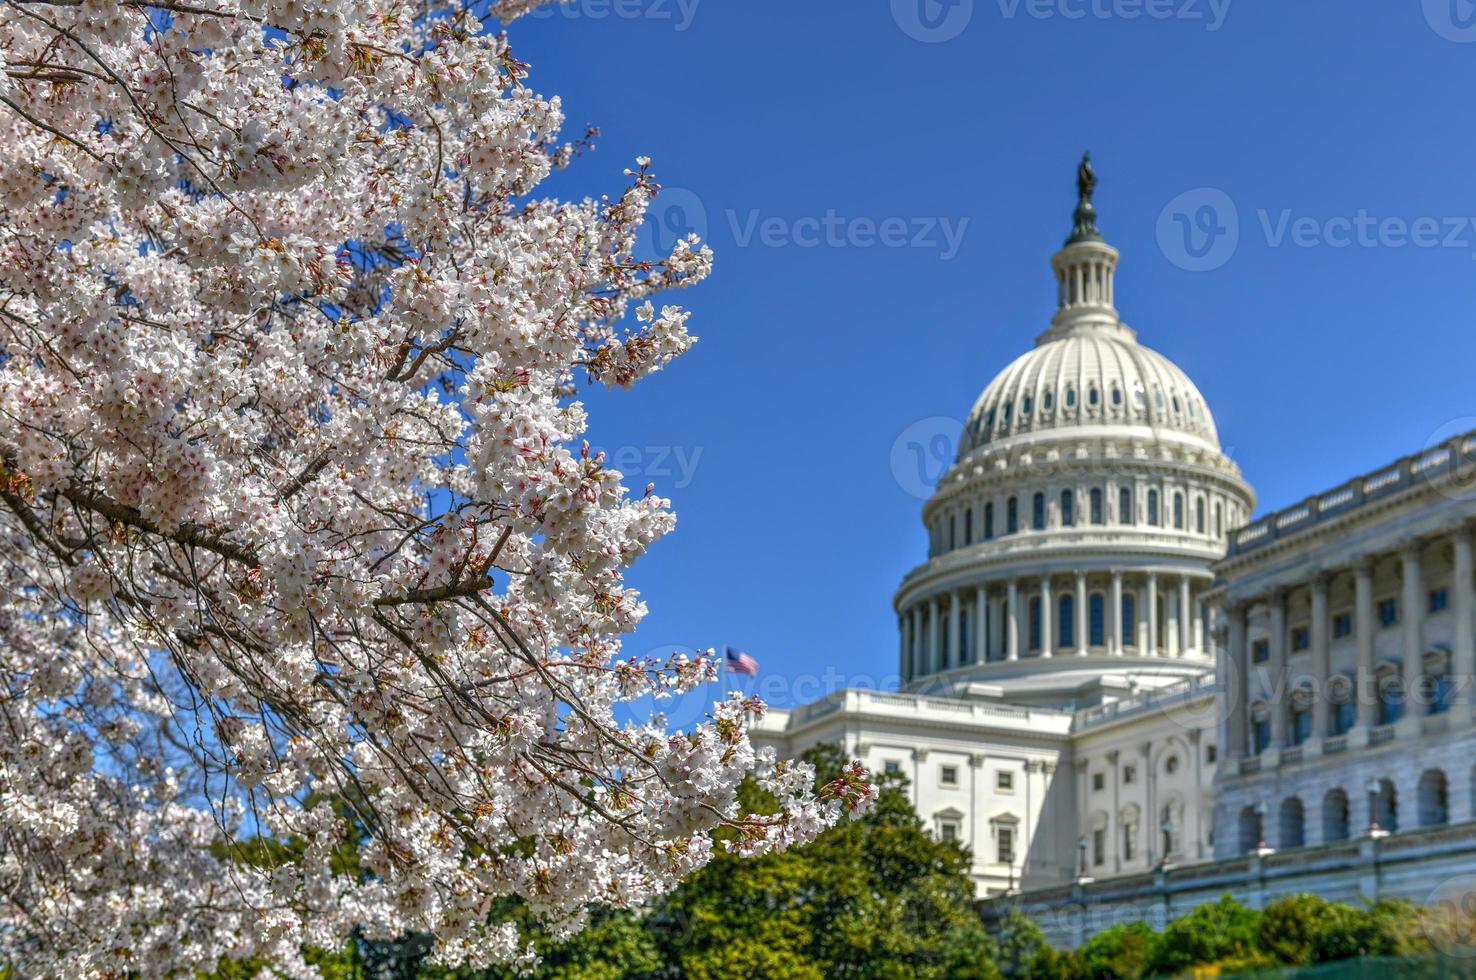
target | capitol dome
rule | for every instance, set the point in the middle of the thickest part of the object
(1070, 543)
(1088, 378)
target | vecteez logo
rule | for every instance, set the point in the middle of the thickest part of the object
(932, 21)
(1199, 230)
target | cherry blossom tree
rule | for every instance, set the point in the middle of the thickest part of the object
(299, 543)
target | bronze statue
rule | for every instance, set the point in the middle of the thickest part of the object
(1086, 177)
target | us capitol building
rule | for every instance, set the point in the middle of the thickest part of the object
(1124, 696)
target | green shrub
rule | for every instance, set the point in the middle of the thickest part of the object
(1213, 932)
(1119, 953)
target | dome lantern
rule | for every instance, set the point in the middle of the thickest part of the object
(1084, 269)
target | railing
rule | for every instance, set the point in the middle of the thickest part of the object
(1426, 465)
(919, 704)
(1381, 734)
(1250, 764)
(1151, 698)
(1334, 743)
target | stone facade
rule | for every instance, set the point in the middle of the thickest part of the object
(1123, 698)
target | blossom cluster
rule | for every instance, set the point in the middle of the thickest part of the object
(303, 556)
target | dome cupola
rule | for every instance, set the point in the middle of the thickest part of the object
(1070, 544)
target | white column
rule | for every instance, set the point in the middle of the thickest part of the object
(1363, 617)
(981, 627)
(1463, 645)
(1414, 629)
(902, 651)
(1045, 616)
(1140, 614)
(954, 652)
(1082, 637)
(1277, 691)
(1201, 642)
(1114, 616)
(1238, 696)
(1152, 587)
(933, 644)
(1012, 620)
(1186, 616)
(1321, 669)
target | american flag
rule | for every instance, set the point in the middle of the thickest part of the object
(740, 662)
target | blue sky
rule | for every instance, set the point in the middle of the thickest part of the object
(884, 184)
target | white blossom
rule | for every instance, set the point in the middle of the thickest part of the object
(294, 506)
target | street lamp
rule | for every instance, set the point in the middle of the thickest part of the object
(1167, 828)
(1081, 849)
(1374, 830)
(1260, 811)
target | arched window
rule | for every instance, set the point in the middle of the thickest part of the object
(952, 531)
(1153, 508)
(1068, 508)
(1096, 504)
(1092, 396)
(1301, 717)
(969, 526)
(989, 521)
(1219, 519)
(1047, 401)
(1066, 628)
(1026, 404)
(1125, 506)
(1116, 396)
(1334, 816)
(1434, 803)
(1096, 619)
(1037, 512)
(1129, 621)
(1178, 511)
(1012, 516)
(1199, 515)
(1293, 824)
(1009, 408)
(1035, 622)
(1070, 397)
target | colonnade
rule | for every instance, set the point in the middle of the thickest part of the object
(1279, 697)
(1112, 613)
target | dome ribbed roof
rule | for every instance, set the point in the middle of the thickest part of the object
(1088, 379)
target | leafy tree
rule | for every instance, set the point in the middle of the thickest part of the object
(876, 898)
(1119, 953)
(1216, 931)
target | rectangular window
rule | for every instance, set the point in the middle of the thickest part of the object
(1012, 516)
(1342, 625)
(892, 767)
(1129, 773)
(1210, 753)
(1098, 782)
(948, 831)
(1260, 651)
(1301, 638)
(1439, 600)
(1129, 835)
(1388, 612)
(1005, 839)
(1004, 781)
(989, 522)
(969, 526)
(1124, 506)
(1037, 512)
(948, 775)
(1099, 845)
